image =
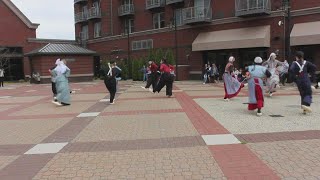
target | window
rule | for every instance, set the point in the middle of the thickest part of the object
(158, 20)
(178, 16)
(97, 29)
(84, 35)
(128, 25)
(143, 44)
(127, 2)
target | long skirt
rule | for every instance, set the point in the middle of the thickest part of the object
(304, 86)
(63, 92)
(256, 100)
(272, 83)
(232, 86)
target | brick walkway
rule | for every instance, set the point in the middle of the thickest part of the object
(193, 135)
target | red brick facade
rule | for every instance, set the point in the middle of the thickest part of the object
(16, 30)
(223, 18)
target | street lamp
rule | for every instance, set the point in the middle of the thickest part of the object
(174, 23)
(287, 26)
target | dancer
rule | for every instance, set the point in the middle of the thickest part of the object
(1, 76)
(284, 72)
(152, 80)
(254, 75)
(61, 73)
(300, 69)
(273, 82)
(232, 86)
(53, 81)
(166, 78)
(111, 82)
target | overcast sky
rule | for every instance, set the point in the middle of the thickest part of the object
(55, 17)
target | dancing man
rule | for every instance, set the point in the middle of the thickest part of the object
(232, 86)
(273, 82)
(300, 69)
(166, 78)
(255, 74)
(61, 73)
(153, 78)
(110, 81)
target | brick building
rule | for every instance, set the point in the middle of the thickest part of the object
(206, 31)
(18, 37)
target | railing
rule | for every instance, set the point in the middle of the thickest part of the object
(173, 1)
(80, 17)
(126, 9)
(196, 14)
(155, 4)
(252, 7)
(94, 12)
(77, 1)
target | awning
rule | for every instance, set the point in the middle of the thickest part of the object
(305, 34)
(233, 39)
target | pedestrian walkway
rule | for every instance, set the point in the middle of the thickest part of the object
(193, 135)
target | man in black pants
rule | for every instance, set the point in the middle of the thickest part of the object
(166, 78)
(153, 78)
(111, 82)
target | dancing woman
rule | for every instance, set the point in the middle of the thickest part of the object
(61, 73)
(273, 82)
(232, 86)
(166, 78)
(301, 69)
(255, 74)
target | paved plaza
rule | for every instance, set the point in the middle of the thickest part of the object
(193, 135)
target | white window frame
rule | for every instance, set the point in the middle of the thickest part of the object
(142, 44)
(97, 30)
(84, 32)
(157, 21)
(130, 23)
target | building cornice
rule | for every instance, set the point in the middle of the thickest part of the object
(20, 15)
(58, 41)
(277, 13)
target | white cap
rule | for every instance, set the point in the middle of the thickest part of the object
(231, 59)
(258, 60)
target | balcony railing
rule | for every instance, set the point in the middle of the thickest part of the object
(94, 13)
(173, 1)
(80, 1)
(126, 9)
(252, 7)
(150, 4)
(197, 14)
(80, 17)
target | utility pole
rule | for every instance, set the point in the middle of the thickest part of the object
(287, 11)
(175, 41)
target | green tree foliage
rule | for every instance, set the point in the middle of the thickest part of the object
(133, 68)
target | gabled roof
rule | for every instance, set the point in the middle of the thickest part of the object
(60, 49)
(20, 15)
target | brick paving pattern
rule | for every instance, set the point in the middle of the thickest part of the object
(148, 136)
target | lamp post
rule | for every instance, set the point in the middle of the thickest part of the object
(287, 26)
(175, 41)
(128, 41)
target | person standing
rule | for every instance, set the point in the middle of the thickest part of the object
(111, 82)
(301, 69)
(205, 74)
(273, 82)
(1, 76)
(255, 74)
(53, 81)
(214, 73)
(232, 86)
(61, 73)
(144, 72)
(166, 78)
(153, 78)
(284, 72)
